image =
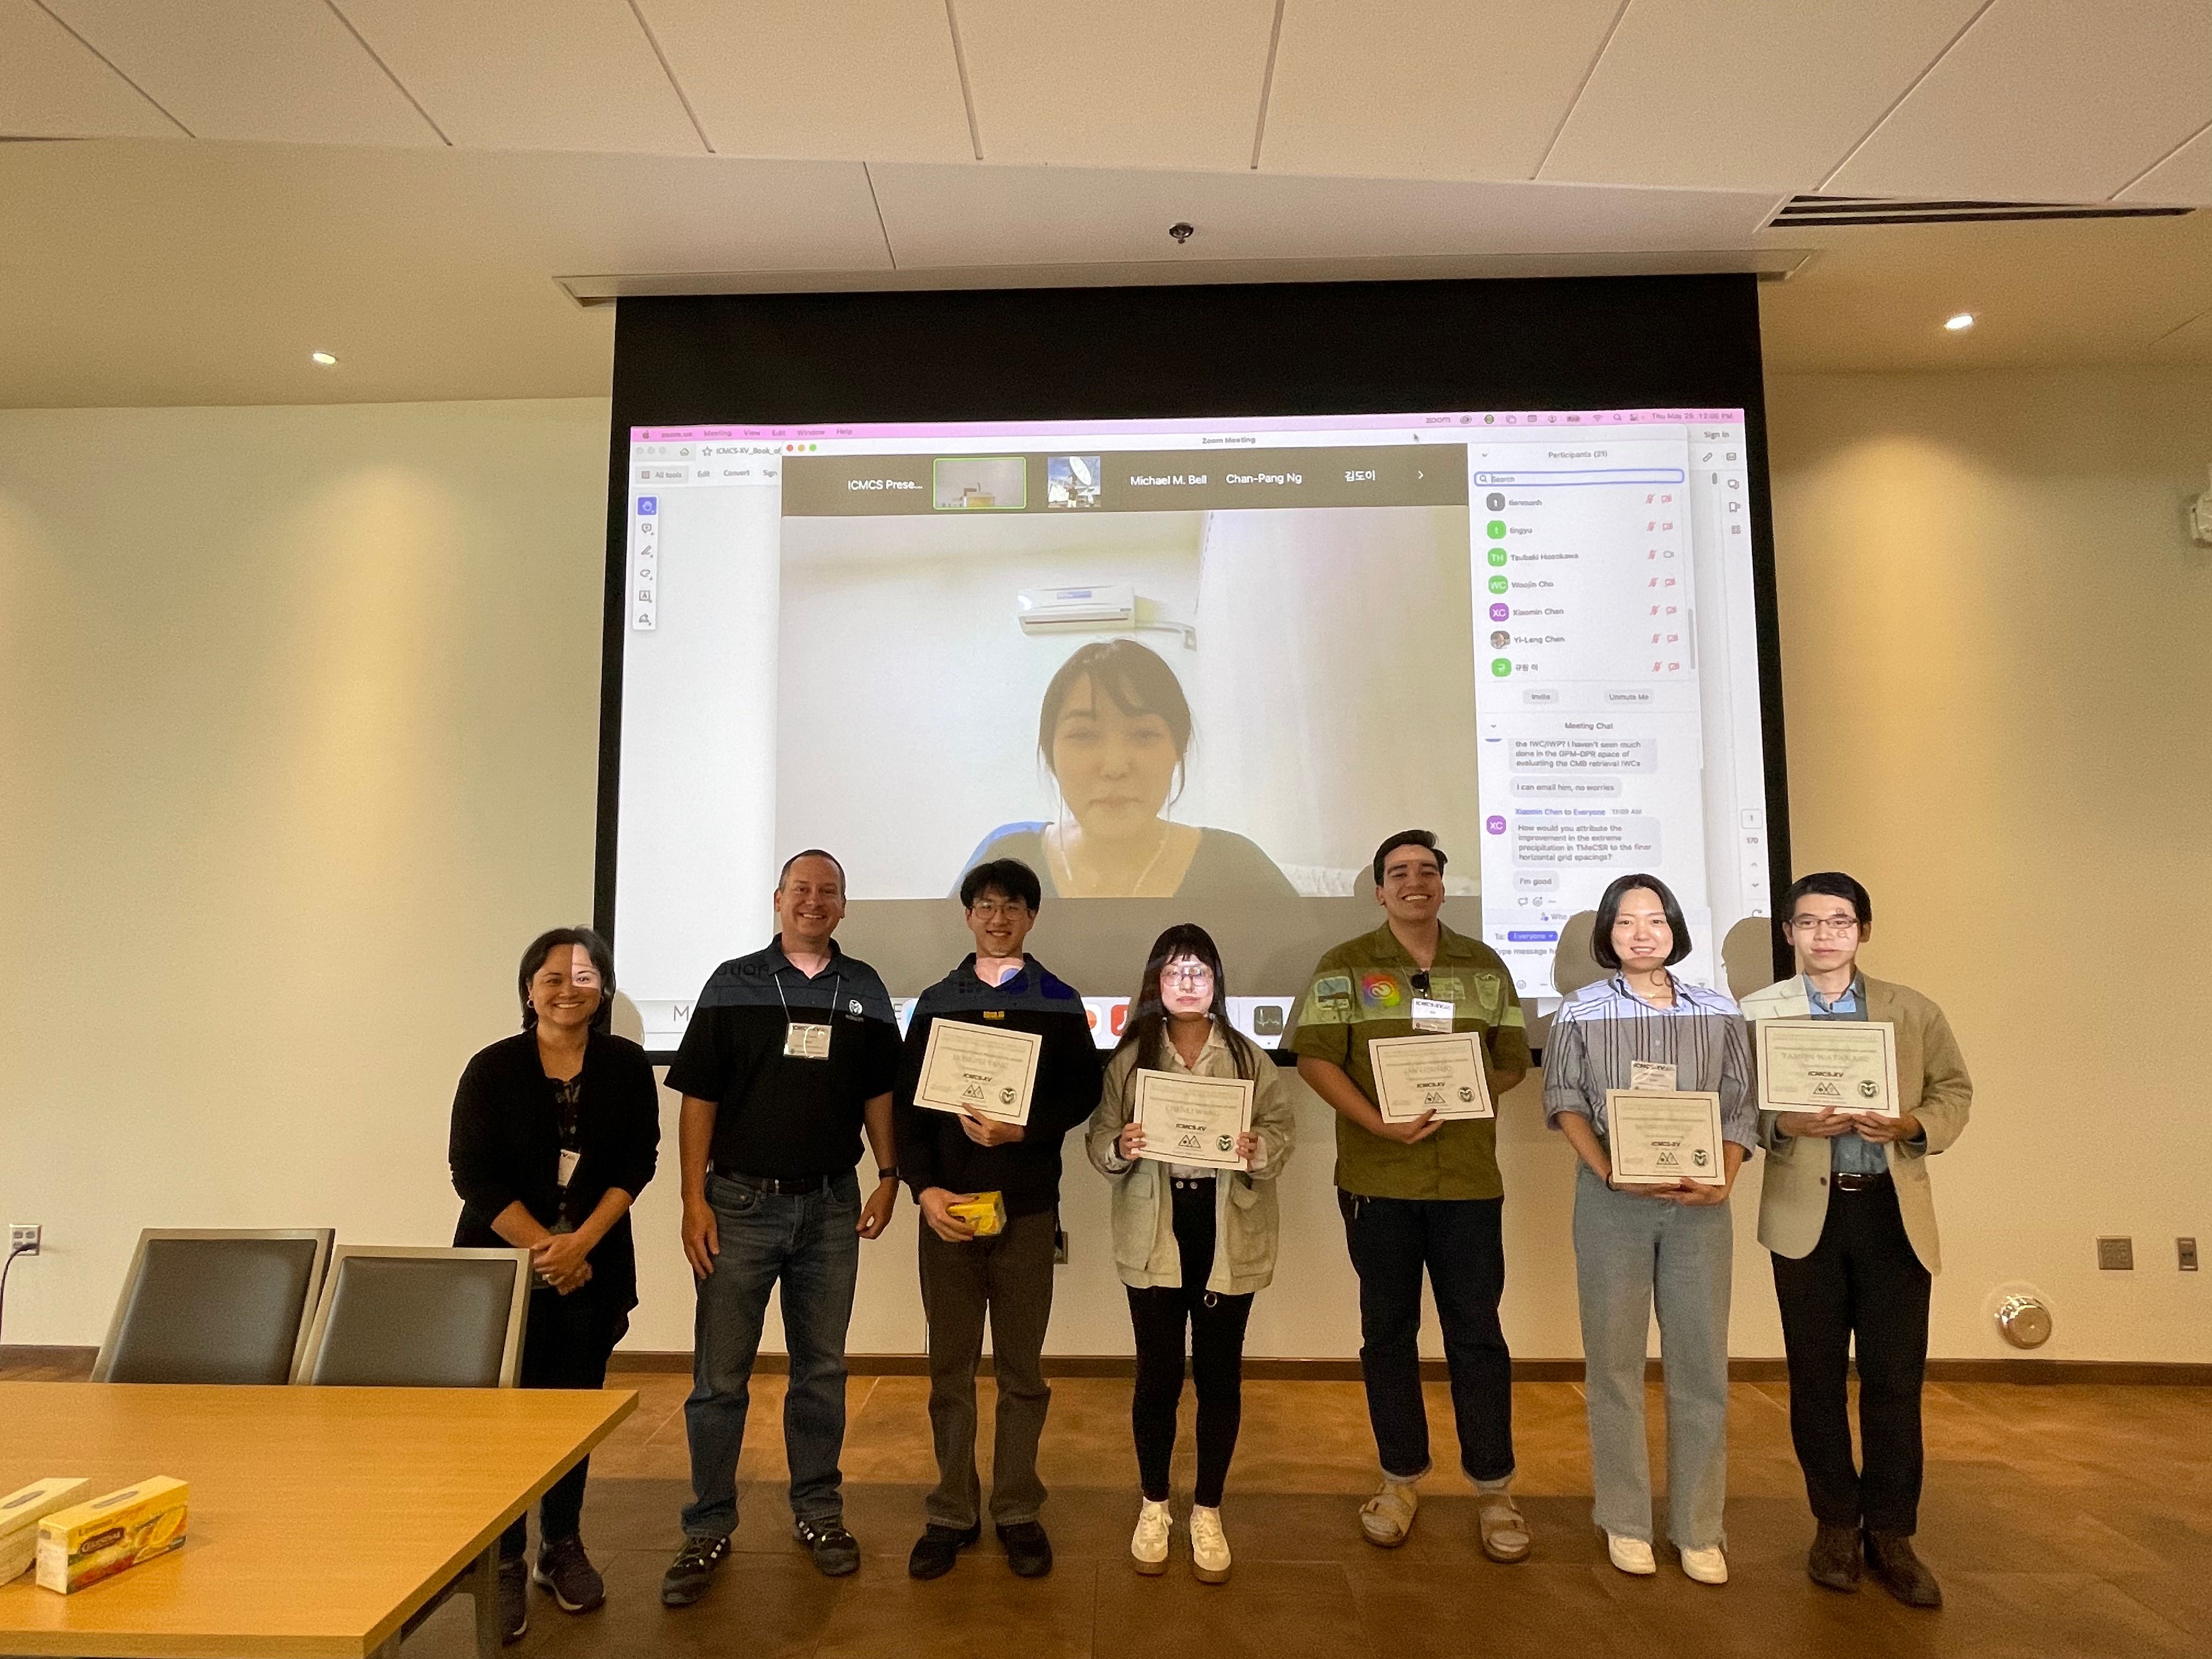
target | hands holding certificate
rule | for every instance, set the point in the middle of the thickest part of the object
(1826, 1078)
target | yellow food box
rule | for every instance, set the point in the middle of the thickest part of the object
(83, 1545)
(21, 1513)
(986, 1212)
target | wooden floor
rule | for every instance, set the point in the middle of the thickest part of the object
(2063, 1521)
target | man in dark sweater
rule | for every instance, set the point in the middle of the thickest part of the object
(947, 1157)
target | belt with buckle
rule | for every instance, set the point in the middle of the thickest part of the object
(1846, 1182)
(778, 1185)
(1190, 1184)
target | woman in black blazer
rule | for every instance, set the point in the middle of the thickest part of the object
(556, 1132)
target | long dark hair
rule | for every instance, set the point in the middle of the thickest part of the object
(1147, 1029)
(603, 959)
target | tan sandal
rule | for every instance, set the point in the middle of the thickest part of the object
(1387, 1518)
(1504, 1532)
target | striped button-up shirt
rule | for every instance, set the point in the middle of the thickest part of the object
(1602, 1030)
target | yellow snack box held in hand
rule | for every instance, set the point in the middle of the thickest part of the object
(986, 1212)
(111, 1534)
(21, 1513)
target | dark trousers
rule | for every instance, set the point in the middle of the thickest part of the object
(565, 1345)
(1006, 1280)
(1159, 1314)
(1862, 1285)
(1461, 1243)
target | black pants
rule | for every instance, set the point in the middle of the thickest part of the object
(1862, 1285)
(1461, 1243)
(564, 1345)
(1217, 1357)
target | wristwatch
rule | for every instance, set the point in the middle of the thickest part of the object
(890, 1174)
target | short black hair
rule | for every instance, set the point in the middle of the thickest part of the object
(1010, 876)
(1135, 678)
(603, 960)
(1609, 911)
(784, 874)
(1830, 884)
(1408, 838)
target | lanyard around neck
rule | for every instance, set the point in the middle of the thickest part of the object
(837, 986)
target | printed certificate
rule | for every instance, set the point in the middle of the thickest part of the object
(982, 1069)
(1656, 1139)
(1837, 1065)
(1191, 1120)
(1420, 1074)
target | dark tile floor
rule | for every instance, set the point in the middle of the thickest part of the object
(2063, 1521)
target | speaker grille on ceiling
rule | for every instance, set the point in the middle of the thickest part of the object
(1891, 211)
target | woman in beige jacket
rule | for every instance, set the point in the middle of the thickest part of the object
(1192, 1243)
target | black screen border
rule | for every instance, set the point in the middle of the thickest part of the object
(1225, 350)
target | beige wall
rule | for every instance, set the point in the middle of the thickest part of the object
(296, 748)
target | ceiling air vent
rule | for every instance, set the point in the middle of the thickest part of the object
(1893, 210)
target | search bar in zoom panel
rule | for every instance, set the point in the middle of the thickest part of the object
(1544, 477)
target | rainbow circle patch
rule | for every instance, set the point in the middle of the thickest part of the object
(1379, 990)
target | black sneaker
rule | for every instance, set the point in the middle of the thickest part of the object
(514, 1599)
(836, 1553)
(563, 1569)
(938, 1548)
(692, 1571)
(1029, 1552)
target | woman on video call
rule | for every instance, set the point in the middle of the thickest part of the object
(1114, 730)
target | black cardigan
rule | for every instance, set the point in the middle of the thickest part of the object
(506, 1146)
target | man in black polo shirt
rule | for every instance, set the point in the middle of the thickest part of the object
(1006, 1278)
(789, 1052)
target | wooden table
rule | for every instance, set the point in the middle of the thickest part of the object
(321, 1518)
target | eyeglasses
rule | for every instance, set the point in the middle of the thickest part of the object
(1839, 926)
(992, 909)
(1195, 974)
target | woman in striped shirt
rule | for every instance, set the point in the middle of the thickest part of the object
(1643, 1028)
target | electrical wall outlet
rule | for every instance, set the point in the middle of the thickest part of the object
(24, 1237)
(2185, 1254)
(2116, 1256)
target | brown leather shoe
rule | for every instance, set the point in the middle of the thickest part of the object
(1901, 1572)
(1834, 1560)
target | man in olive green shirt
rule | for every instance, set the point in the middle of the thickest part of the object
(1421, 1195)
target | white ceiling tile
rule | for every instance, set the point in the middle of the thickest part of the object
(856, 80)
(1165, 83)
(53, 86)
(272, 70)
(2182, 180)
(1427, 89)
(969, 216)
(2061, 101)
(1747, 95)
(530, 74)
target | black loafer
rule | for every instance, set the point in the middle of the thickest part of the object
(938, 1548)
(692, 1571)
(835, 1551)
(1029, 1552)
(1834, 1560)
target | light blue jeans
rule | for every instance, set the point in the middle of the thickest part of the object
(1629, 1250)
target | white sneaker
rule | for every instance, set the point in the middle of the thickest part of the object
(1209, 1547)
(1631, 1554)
(1148, 1546)
(1707, 1566)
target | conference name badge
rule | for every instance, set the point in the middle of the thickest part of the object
(806, 1041)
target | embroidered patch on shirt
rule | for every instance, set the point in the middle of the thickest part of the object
(1380, 991)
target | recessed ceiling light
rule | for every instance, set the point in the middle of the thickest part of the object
(325, 360)
(1965, 319)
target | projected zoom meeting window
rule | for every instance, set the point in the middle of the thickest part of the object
(1192, 674)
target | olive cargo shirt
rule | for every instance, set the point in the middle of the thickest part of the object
(1363, 989)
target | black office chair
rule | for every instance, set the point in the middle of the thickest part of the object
(214, 1306)
(396, 1317)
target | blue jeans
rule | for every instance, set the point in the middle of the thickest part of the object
(1631, 1251)
(807, 1241)
(1459, 1243)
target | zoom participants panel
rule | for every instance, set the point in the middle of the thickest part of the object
(1614, 613)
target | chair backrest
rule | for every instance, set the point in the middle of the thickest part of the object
(396, 1317)
(201, 1305)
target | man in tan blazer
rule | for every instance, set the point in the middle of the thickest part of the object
(1847, 1211)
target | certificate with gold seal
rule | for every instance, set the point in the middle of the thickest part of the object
(1827, 1065)
(1441, 1072)
(982, 1069)
(1191, 1120)
(1658, 1138)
